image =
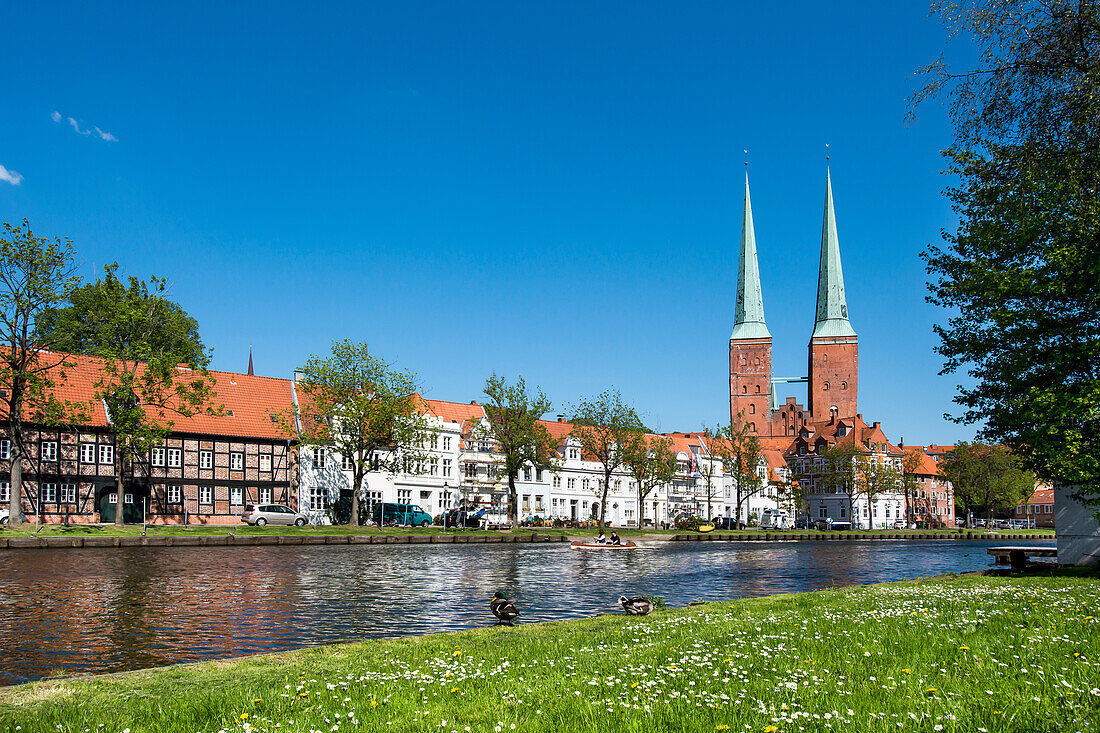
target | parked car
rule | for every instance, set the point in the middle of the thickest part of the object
(461, 517)
(899, 524)
(802, 522)
(775, 519)
(842, 525)
(4, 514)
(261, 514)
(725, 523)
(388, 514)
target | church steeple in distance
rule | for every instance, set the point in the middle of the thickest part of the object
(832, 307)
(748, 321)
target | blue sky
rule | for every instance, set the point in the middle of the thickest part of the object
(545, 189)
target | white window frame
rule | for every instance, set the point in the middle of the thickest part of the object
(158, 456)
(68, 493)
(317, 498)
(265, 462)
(47, 492)
(236, 461)
(175, 457)
(48, 451)
(5, 492)
(319, 456)
(346, 463)
(236, 496)
(106, 454)
(265, 495)
(206, 459)
(446, 467)
(87, 453)
(206, 495)
(174, 494)
(5, 449)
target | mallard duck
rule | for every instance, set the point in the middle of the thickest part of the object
(503, 609)
(639, 606)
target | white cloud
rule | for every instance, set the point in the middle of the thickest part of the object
(102, 134)
(10, 176)
(76, 126)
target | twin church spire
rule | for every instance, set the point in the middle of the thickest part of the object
(832, 307)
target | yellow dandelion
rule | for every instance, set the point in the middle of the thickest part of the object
(996, 712)
(783, 707)
(454, 689)
(721, 727)
(374, 703)
(771, 728)
(258, 699)
(964, 648)
(1088, 618)
(907, 671)
(1076, 654)
(633, 684)
(931, 690)
(244, 716)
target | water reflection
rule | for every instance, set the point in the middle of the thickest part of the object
(100, 611)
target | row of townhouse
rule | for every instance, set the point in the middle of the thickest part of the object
(460, 467)
(930, 503)
(211, 466)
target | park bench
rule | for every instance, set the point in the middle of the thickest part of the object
(1017, 557)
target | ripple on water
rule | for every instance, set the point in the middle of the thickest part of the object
(112, 610)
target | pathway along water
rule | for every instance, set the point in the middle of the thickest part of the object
(113, 610)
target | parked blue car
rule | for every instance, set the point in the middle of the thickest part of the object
(401, 514)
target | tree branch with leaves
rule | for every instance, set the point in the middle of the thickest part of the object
(604, 426)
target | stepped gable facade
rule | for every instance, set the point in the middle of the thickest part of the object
(833, 352)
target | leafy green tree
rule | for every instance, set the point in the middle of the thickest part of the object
(512, 423)
(910, 483)
(876, 476)
(154, 363)
(651, 463)
(364, 409)
(36, 274)
(604, 426)
(986, 478)
(839, 473)
(739, 452)
(1021, 270)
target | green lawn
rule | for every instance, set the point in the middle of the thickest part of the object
(110, 530)
(967, 653)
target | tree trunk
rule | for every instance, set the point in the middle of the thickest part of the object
(15, 503)
(120, 487)
(513, 499)
(641, 509)
(355, 491)
(603, 499)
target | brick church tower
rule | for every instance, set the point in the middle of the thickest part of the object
(750, 342)
(834, 348)
(833, 374)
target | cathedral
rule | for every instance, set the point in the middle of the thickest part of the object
(833, 352)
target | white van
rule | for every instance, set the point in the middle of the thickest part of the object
(775, 519)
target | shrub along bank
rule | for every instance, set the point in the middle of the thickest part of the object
(967, 653)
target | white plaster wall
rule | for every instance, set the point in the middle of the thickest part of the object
(1076, 528)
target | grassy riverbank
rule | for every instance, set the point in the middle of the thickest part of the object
(968, 653)
(174, 530)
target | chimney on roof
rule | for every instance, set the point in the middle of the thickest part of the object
(250, 360)
(901, 442)
(561, 418)
(876, 423)
(859, 416)
(473, 402)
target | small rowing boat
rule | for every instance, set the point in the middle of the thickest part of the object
(578, 545)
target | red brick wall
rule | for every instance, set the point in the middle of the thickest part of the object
(751, 382)
(834, 376)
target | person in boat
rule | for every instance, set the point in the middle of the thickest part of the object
(600, 540)
(614, 539)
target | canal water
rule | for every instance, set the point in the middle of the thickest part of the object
(119, 609)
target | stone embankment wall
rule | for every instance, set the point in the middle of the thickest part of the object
(33, 543)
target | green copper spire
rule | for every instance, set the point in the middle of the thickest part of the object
(832, 308)
(748, 321)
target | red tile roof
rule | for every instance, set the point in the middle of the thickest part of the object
(249, 400)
